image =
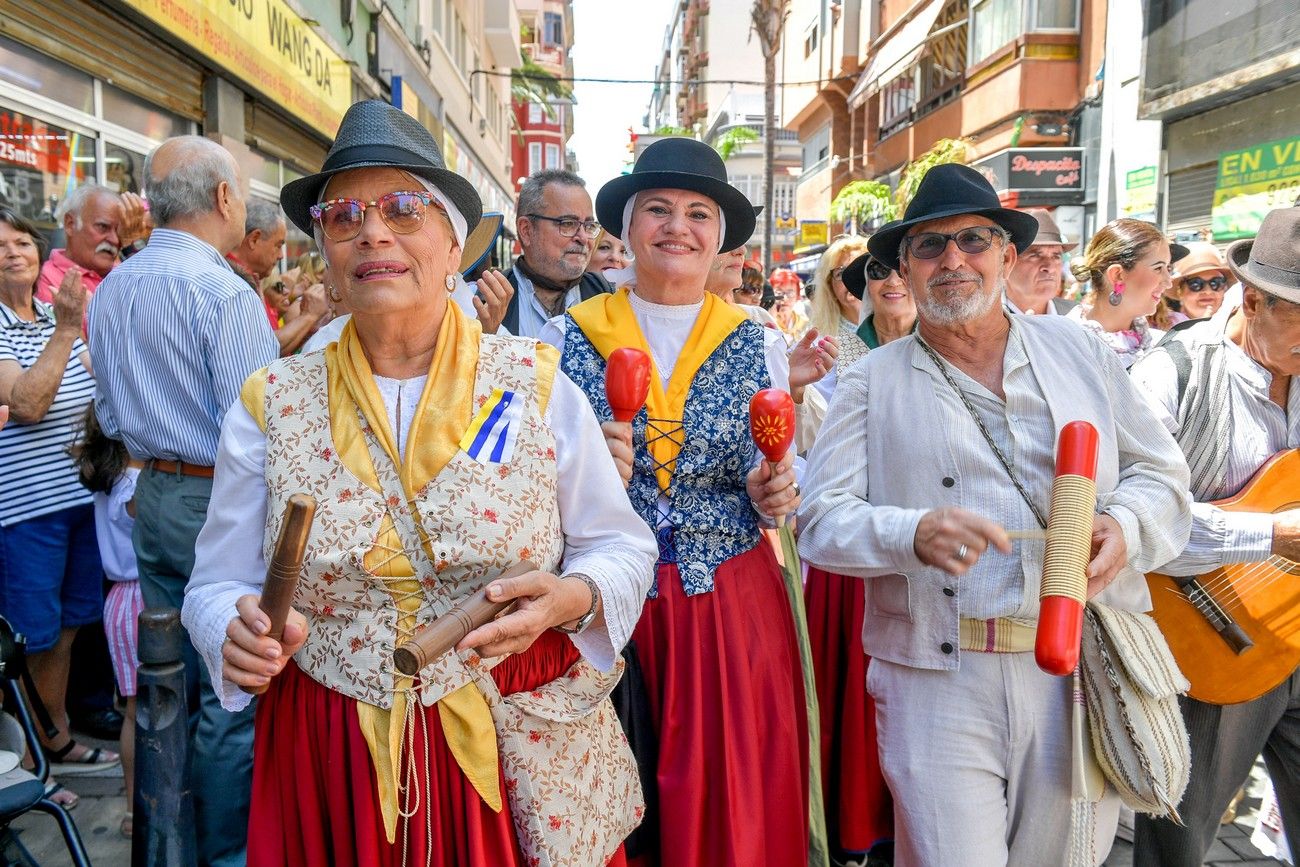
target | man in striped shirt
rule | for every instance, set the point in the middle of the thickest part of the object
(174, 332)
(1228, 389)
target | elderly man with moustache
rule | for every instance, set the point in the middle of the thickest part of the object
(174, 334)
(557, 231)
(1034, 284)
(910, 486)
(98, 223)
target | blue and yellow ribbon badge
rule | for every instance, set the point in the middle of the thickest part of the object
(490, 438)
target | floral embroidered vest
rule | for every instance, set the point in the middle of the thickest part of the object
(481, 518)
(710, 517)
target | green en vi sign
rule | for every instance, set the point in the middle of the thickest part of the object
(1252, 182)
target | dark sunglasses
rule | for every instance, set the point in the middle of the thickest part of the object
(877, 270)
(930, 245)
(569, 226)
(1197, 284)
(403, 212)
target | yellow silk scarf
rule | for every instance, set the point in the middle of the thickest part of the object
(442, 415)
(609, 323)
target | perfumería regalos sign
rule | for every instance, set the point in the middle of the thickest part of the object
(1252, 182)
(265, 44)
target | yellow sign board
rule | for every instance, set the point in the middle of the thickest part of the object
(813, 232)
(266, 44)
(1252, 182)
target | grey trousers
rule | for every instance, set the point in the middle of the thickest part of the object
(170, 510)
(978, 761)
(1225, 742)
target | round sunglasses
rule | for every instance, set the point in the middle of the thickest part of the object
(403, 212)
(1197, 284)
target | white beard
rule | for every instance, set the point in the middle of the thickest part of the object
(956, 309)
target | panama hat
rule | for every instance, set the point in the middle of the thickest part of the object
(374, 134)
(679, 164)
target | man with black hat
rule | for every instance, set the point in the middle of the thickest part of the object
(1034, 284)
(937, 444)
(558, 235)
(1228, 389)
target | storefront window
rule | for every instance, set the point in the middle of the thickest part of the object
(125, 110)
(31, 70)
(40, 164)
(123, 169)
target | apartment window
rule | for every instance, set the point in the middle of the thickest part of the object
(534, 158)
(553, 156)
(817, 147)
(1055, 14)
(994, 23)
(896, 101)
(534, 113)
(439, 10)
(810, 39)
(553, 24)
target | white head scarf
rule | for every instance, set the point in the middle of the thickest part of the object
(627, 222)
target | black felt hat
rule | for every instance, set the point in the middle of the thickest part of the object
(854, 276)
(1271, 260)
(949, 190)
(679, 164)
(374, 134)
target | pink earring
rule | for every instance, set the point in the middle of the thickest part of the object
(1116, 294)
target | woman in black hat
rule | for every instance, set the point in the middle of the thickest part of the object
(717, 638)
(439, 457)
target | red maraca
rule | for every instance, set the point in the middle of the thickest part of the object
(1064, 588)
(627, 382)
(771, 423)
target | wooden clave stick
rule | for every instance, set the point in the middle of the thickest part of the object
(285, 566)
(443, 634)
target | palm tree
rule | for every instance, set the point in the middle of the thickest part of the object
(531, 83)
(768, 22)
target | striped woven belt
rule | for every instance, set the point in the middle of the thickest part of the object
(998, 635)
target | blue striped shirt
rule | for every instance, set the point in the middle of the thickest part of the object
(174, 332)
(37, 476)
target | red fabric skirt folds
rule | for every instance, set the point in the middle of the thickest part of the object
(315, 799)
(859, 809)
(726, 697)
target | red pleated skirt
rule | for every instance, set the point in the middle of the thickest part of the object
(315, 799)
(726, 698)
(859, 808)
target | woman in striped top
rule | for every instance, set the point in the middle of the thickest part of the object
(51, 581)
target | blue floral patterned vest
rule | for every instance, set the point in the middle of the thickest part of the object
(710, 517)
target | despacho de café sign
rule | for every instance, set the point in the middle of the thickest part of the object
(1035, 170)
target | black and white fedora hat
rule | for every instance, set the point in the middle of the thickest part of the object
(374, 134)
(679, 164)
(948, 190)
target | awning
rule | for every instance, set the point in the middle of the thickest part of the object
(898, 51)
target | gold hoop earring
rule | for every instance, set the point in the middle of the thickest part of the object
(334, 294)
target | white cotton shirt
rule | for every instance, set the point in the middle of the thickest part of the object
(113, 525)
(603, 537)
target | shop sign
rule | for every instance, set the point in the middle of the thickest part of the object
(1034, 169)
(1251, 182)
(812, 232)
(265, 43)
(1140, 193)
(40, 165)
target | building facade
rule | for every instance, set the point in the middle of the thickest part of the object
(1016, 78)
(87, 89)
(1225, 80)
(544, 128)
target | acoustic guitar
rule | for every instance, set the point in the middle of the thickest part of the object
(1235, 631)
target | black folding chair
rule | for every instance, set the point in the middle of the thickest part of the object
(22, 791)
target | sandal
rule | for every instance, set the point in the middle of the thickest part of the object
(127, 828)
(92, 759)
(65, 798)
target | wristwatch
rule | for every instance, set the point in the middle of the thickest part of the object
(585, 620)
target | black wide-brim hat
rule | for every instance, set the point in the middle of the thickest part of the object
(949, 190)
(679, 164)
(854, 276)
(374, 134)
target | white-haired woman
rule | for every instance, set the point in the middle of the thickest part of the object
(438, 457)
(717, 639)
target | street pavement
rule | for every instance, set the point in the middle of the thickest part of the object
(103, 802)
